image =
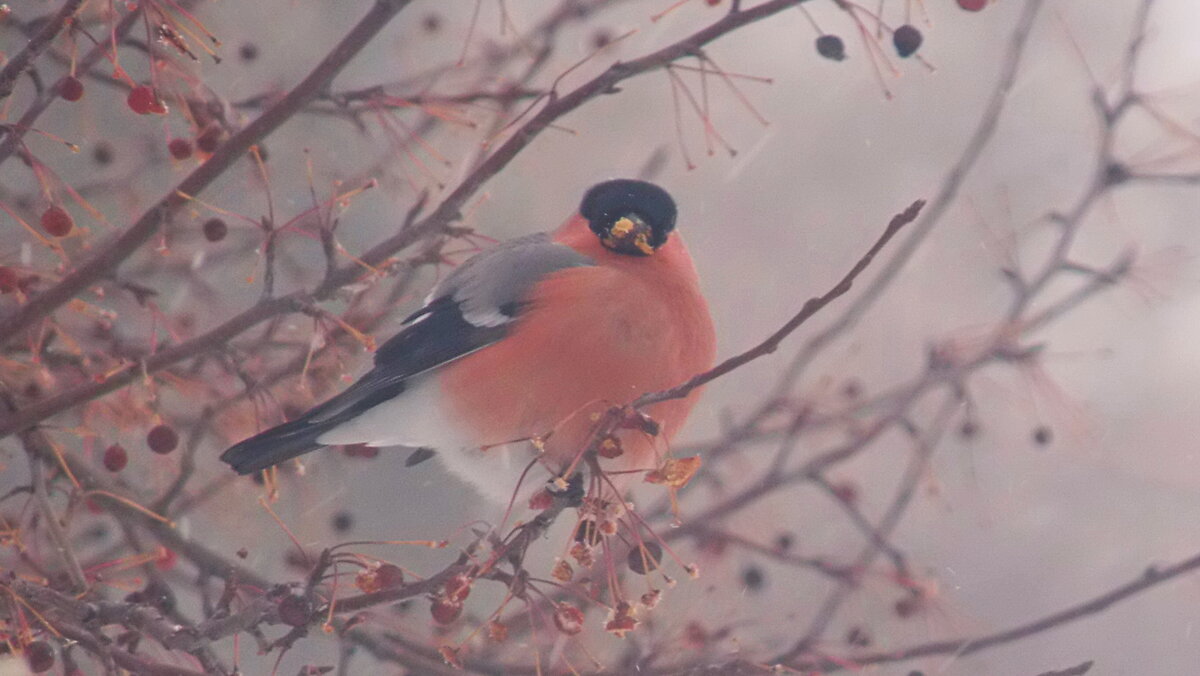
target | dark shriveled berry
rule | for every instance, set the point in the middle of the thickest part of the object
(342, 522)
(210, 139)
(115, 458)
(180, 148)
(1042, 435)
(294, 610)
(644, 559)
(9, 279)
(831, 47)
(39, 656)
(162, 439)
(753, 578)
(102, 154)
(248, 51)
(215, 229)
(588, 533)
(907, 40)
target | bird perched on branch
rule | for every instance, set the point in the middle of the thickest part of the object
(532, 340)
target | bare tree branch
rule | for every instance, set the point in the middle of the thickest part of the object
(30, 52)
(114, 254)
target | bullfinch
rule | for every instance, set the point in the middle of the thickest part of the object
(517, 352)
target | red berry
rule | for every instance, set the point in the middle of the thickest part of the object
(140, 99)
(972, 5)
(445, 612)
(162, 439)
(143, 100)
(180, 148)
(56, 221)
(9, 279)
(389, 576)
(70, 88)
(166, 559)
(458, 588)
(115, 458)
(214, 230)
(40, 656)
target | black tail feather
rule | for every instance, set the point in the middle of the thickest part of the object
(299, 436)
(275, 445)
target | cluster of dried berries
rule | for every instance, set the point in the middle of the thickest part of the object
(447, 607)
(378, 578)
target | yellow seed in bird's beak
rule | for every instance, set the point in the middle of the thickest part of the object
(625, 230)
(644, 246)
(622, 227)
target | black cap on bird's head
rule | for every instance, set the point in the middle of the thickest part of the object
(630, 217)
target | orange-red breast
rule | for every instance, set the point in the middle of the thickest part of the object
(530, 339)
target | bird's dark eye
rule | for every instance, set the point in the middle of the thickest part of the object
(631, 217)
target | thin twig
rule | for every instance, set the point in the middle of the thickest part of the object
(810, 308)
(30, 52)
(62, 544)
(1151, 578)
(11, 140)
